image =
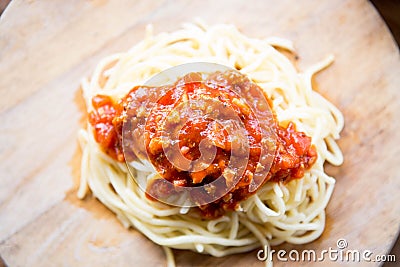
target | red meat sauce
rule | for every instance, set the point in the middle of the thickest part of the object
(147, 114)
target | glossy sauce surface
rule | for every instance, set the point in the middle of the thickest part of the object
(203, 129)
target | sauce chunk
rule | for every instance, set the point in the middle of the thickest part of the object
(199, 130)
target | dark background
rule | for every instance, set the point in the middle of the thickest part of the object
(390, 12)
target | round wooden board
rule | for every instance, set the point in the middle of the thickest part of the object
(47, 46)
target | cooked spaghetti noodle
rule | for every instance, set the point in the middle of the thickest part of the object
(291, 212)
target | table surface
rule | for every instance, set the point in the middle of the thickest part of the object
(47, 46)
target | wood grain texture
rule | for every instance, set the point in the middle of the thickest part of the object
(47, 46)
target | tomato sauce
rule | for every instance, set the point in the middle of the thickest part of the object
(192, 150)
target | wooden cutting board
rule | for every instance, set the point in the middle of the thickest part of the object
(47, 46)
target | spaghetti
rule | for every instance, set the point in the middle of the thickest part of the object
(277, 212)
